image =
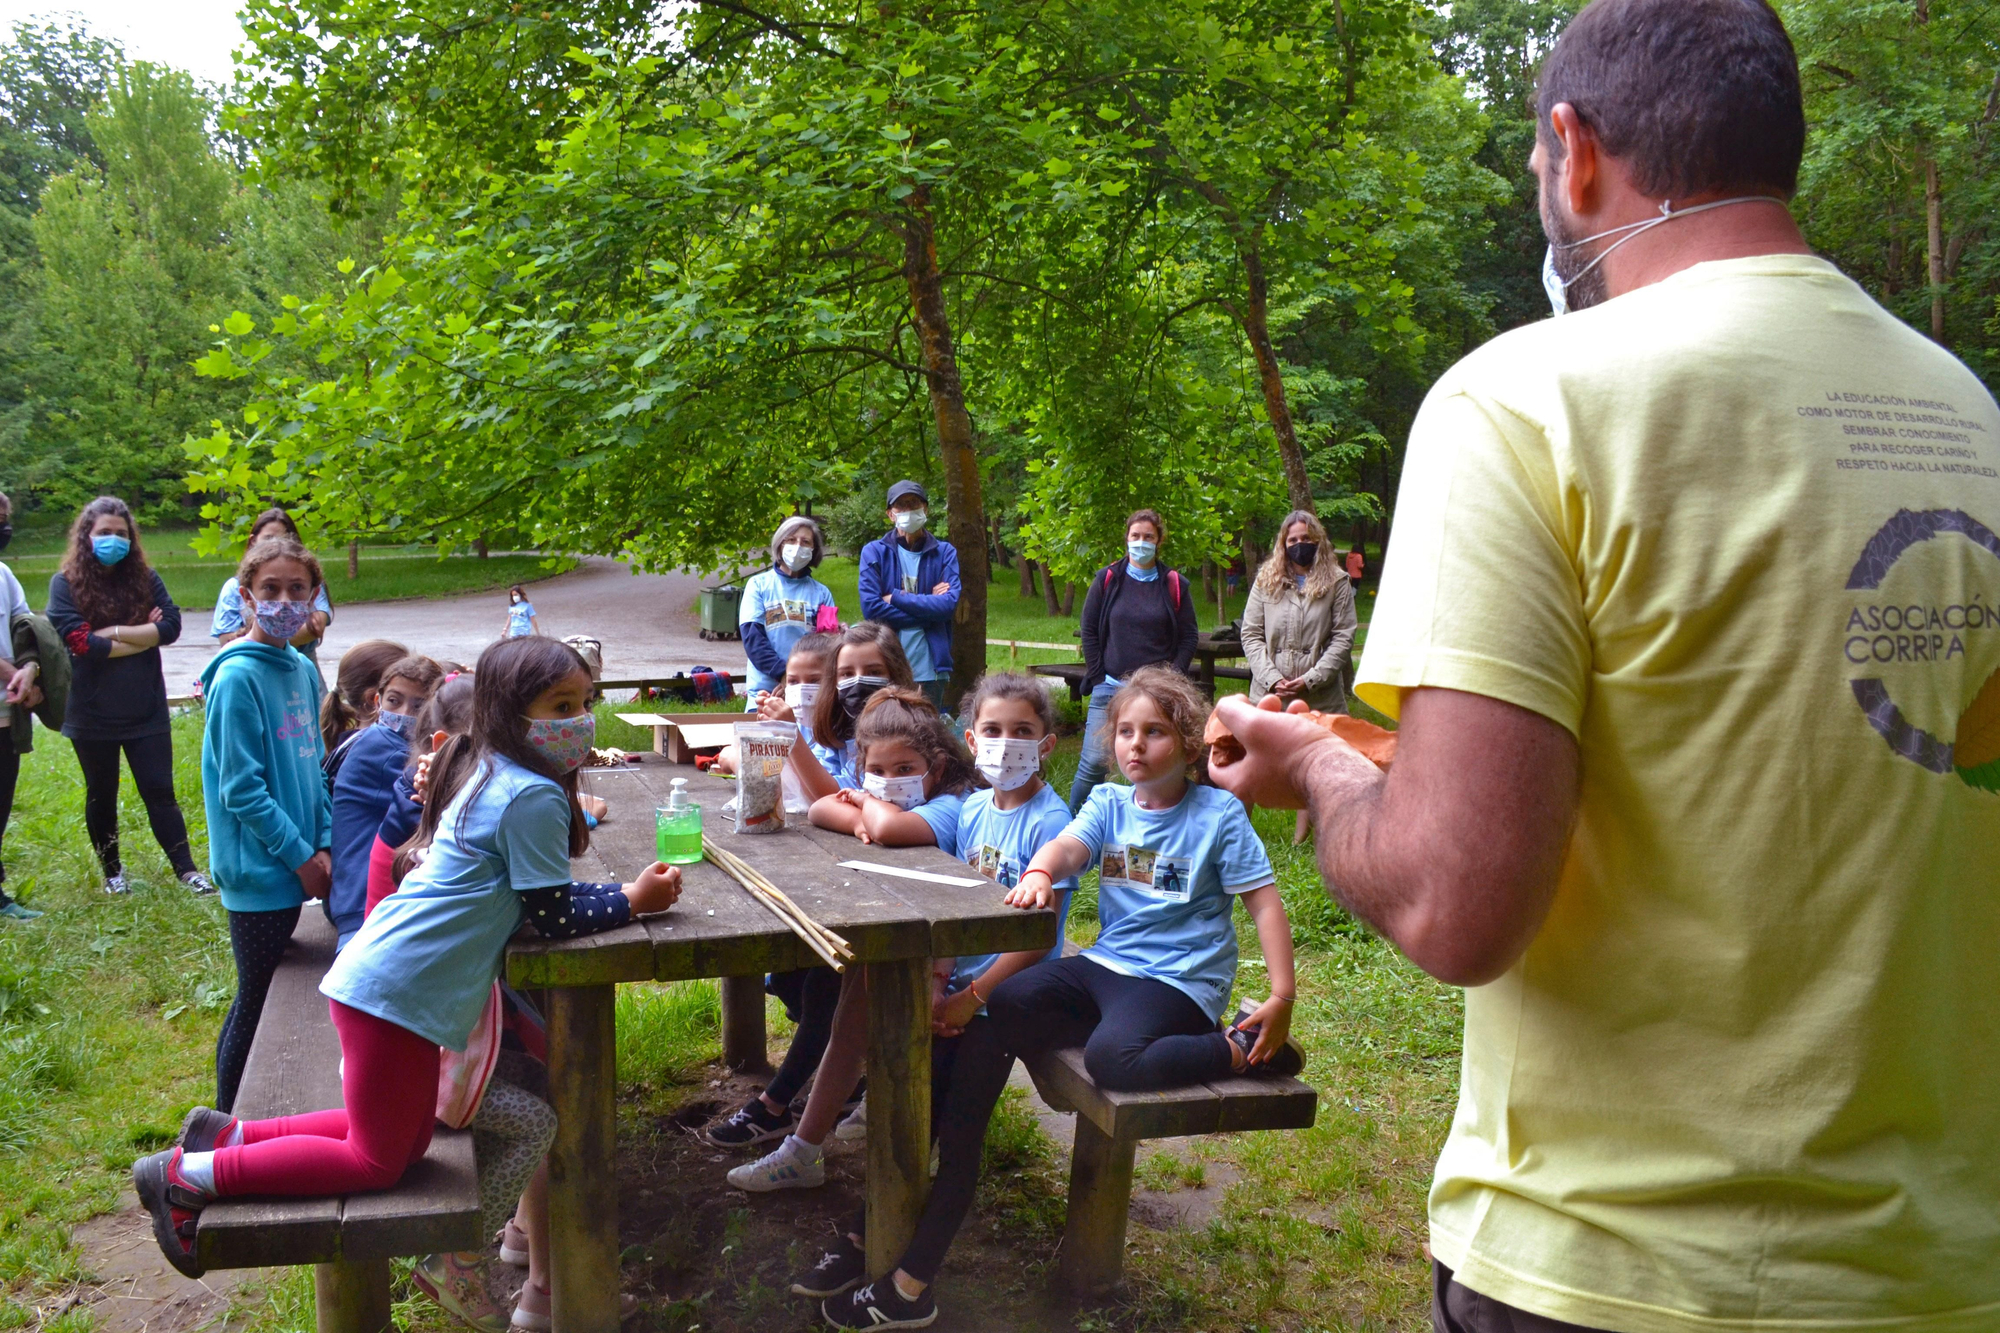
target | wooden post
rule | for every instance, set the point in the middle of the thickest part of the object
(899, 1105)
(1100, 1196)
(352, 1296)
(583, 1183)
(743, 1047)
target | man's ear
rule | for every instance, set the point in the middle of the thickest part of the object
(1577, 173)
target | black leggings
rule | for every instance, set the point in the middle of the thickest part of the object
(152, 762)
(10, 773)
(810, 996)
(1136, 1034)
(258, 940)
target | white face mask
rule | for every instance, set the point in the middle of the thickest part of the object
(1006, 762)
(903, 793)
(795, 555)
(798, 698)
(910, 521)
(1558, 289)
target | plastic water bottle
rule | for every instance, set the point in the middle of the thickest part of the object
(678, 824)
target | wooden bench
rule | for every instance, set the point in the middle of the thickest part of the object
(1109, 1126)
(1071, 673)
(294, 1067)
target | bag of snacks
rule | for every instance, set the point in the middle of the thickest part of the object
(761, 751)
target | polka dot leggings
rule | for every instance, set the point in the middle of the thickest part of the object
(510, 1135)
(258, 940)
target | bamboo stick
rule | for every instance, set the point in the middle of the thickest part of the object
(830, 947)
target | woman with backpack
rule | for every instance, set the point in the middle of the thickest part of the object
(1137, 613)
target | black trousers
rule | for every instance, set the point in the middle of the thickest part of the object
(152, 761)
(258, 940)
(810, 996)
(1137, 1033)
(1460, 1309)
(10, 774)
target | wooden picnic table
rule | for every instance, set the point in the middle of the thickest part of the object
(895, 926)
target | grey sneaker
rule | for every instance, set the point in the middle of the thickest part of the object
(117, 884)
(197, 882)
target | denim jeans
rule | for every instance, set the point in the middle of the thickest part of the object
(1090, 768)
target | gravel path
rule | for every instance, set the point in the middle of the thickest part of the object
(647, 623)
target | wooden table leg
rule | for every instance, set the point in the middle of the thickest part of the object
(352, 1296)
(1100, 1201)
(899, 1106)
(743, 1048)
(583, 1182)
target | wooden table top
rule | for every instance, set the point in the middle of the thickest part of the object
(718, 930)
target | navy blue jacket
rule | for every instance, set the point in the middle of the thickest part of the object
(882, 572)
(361, 796)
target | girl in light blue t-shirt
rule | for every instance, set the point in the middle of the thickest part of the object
(521, 620)
(500, 825)
(914, 779)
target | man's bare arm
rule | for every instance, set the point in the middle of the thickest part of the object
(1453, 854)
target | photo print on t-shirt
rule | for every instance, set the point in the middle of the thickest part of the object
(789, 611)
(1168, 878)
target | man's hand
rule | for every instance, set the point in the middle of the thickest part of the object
(657, 888)
(21, 687)
(941, 590)
(316, 875)
(1278, 746)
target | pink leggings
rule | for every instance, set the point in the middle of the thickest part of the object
(390, 1085)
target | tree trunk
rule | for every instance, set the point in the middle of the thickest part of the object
(1208, 580)
(1256, 327)
(1250, 557)
(1026, 569)
(1934, 244)
(1049, 591)
(479, 545)
(967, 527)
(1069, 599)
(354, 559)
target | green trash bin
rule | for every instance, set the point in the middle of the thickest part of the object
(718, 611)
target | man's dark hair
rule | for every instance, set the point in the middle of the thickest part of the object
(1697, 97)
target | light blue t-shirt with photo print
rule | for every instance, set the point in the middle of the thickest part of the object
(941, 813)
(916, 647)
(1166, 881)
(999, 844)
(429, 953)
(787, 608)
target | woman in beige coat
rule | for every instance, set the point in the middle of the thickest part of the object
(1298, 628)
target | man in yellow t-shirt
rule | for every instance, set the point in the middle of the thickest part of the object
(1698, 789)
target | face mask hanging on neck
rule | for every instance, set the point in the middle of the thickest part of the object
(1558, 288)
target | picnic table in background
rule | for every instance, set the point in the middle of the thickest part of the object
(895, 925)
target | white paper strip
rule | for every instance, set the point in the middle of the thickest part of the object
(924, 875)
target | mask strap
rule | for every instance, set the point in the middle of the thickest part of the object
(1667, 214)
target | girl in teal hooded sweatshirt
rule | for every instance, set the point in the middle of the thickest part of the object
(270, 823)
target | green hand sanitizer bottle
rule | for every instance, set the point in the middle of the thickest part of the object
(679, 826)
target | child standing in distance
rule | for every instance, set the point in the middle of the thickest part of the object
(521, 620)
(503, 824)
(867, 658)
(914, 781)
(781, 604)
(999, 832)
(365, 786)
(269, 823)
(1144, 1000)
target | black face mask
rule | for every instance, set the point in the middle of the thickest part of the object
(1302, 554)
(6, 535)
(856, 691)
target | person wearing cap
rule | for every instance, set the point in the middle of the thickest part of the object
(781, 604)
(909, 581)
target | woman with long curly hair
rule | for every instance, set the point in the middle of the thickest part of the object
(113, 611)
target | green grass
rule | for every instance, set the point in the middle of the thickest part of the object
(388, 573)
(109, 1009)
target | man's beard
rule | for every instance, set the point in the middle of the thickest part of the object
(1570, 258)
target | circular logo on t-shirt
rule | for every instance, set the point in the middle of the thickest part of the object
(1909, 632)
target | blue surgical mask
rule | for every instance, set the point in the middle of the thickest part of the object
(110, 548)
(1141, 553)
